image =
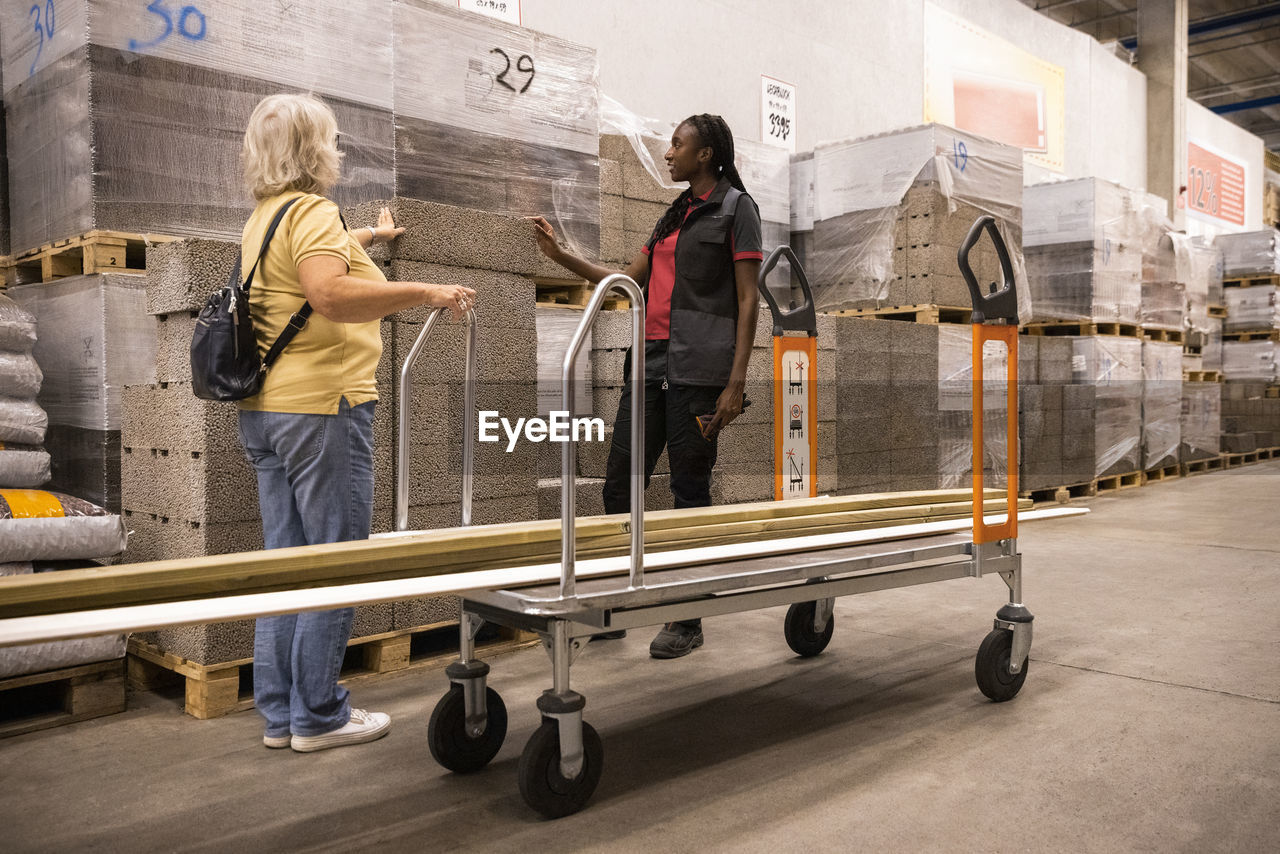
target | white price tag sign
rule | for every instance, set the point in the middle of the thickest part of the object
(503, 10)
(778, 113)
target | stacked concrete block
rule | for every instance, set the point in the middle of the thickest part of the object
(110, 132)
(905, 417)
(1161, 403)
(631, 201)
(1250, 419)
(1108, 370)
(1251, 309)
(474, 128)
(94, 338)
(1201, 421)
(1069, 420)
(1039, 419)
(1251, 253)
(891, 211)
(1083, 244)
(1251, 360)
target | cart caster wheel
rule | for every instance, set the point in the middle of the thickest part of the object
(447, 736)
(992, 667)
(542, 785)
(798, 630)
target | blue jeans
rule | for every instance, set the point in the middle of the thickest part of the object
(315, 485)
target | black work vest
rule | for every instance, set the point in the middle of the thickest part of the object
(704, 297)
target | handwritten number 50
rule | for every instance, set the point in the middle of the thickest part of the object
(524, 64)
(191, 25)
(44, 29)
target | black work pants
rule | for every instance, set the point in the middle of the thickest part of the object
(669, 421)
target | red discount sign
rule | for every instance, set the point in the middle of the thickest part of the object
(1215, 185)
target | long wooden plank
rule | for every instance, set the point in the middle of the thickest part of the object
(68, 623)
(436, 552)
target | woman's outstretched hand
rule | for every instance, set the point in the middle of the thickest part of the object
(546, 236)
(386, 230)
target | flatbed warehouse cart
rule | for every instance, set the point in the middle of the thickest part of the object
(562, 762)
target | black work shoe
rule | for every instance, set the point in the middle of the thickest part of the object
(618, 635)
(675, 640)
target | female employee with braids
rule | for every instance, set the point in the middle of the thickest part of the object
(699, 273)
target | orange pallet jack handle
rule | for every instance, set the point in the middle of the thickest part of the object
(995, 318)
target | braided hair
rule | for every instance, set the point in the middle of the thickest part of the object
(712, 132)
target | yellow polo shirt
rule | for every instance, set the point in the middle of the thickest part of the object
(327, 360)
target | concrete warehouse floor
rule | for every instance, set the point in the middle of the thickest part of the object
(1150, 721)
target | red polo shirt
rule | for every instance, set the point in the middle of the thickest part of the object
(662, 277)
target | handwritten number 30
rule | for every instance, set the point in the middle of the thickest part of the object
(524, 64)
(191, 25)
(44, 29)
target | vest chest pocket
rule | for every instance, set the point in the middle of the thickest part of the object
(707, 255)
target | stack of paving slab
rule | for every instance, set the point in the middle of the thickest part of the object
(1044, 377)
(1250, 419)
(1201, 421)
(1108, 368)
(891, 211)
(131, 119)
(95, 338)
(1083, 245)
(1250, 253)
(904, 407)
(493, 116)
(1251, 309)
(1161, 403)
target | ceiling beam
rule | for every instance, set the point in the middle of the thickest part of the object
(1252, 104)
(1231, 20)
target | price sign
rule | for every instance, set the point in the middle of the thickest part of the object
(1215, 186)
(778, 113)
(503, 10)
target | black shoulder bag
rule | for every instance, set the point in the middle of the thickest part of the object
(224, 349)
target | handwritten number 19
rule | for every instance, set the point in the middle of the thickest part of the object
(191, 25)
(960, 152)
(523, 64)
(44, 29)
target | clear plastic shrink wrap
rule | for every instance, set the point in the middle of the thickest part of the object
(1201, 421)
(1112, 367)
(1249, 253)
(1252, 308)
(17, 327)
(1161, 403)
(1083, 244)
(891, 210)
(1251, 360)
(1163, 301)
(95, 338)
(955, 403)
(497, 117)
(132, 115)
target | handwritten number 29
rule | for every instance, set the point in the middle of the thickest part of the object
(44, 29)
(191, 25)
(523, 64)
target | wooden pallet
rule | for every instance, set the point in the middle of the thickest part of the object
(1233, 461)
(1268, 454)
(1209, 464)
(1120, 481)
(1218, 311)
(41, 700)
(1271, 391)
(213, 690)
(1083, 327)
(1202, 376)
(1250, 281)
(1162, 473)
(1253, 335)
(573, 294)
(1172, 336)
(92, 252)
(933, 314)
(1063, 494)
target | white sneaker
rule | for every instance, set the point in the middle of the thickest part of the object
(363, 726)
(277, 742)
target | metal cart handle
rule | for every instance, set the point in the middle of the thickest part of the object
(802, 318)
(468, 418)
(1000, 304)
(995, 318)
(569, 454)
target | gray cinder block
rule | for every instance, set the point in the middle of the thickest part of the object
(169, 416)
(155, 537)
(503, 299)
(183, 273)
(193, 487)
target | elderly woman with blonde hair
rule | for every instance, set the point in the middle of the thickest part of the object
(309, 431)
